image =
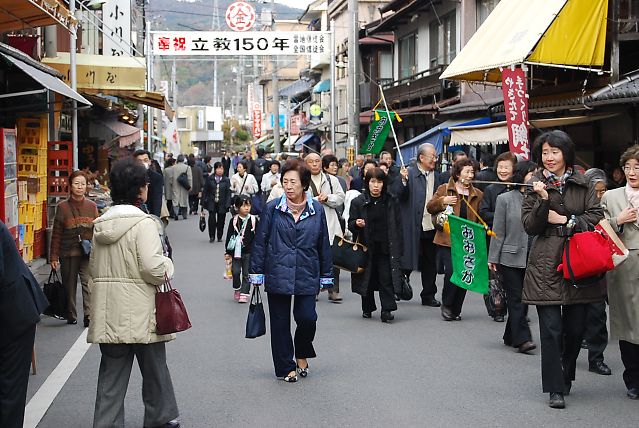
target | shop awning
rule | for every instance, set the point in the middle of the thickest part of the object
(152, 99)
(546, 32)
(46, 80)
(296, 88)
(323, 86)
(21, 14)
(497, 132)
(435, 136)
(126, 134)
(102, 74)
(299, 144)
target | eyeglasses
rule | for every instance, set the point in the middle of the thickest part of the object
(431, 157)
(627, 169)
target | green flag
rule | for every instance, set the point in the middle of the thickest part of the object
(470, 258)
(378, 133)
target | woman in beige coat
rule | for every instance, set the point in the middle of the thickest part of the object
(620, 208)
(127, 263)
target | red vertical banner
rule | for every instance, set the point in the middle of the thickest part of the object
(513, 85)
(257, 123)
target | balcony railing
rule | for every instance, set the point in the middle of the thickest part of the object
(424, 84)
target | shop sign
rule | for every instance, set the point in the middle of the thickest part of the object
(240, 16)
(296, 123)
(117, 25)
(257, 123)
(513, 86)
(229, 43)
(58, 11)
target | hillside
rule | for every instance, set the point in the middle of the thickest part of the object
(195, 77)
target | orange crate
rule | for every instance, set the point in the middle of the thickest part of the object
(58, 186)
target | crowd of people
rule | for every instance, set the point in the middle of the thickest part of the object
(294, 210)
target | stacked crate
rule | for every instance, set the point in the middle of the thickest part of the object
(59, 168)
(32, 185)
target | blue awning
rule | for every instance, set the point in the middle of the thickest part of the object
(303, 140)
(323, 86)
(435, 136)
(298, 87)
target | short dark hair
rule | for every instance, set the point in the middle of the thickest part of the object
(631, 152)
(458, 153)
(366, 162)
(140, 152)
(207, 159)
(385, 153)
(170, 162)
(506, 156)
(460, 164)
(326, 161)
(77, 173)
(302, 170)
(377, 173)
(241, 200)
(217, 165)
(488, 159)
(558, 139)
(522, 169)
(126, 178)
(244, 164)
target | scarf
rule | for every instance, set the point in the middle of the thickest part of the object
(461, 190)
(296, 209)
(632, 195)
(558, 182)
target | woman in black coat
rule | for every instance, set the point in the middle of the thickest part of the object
(216, 199)
(375, 221)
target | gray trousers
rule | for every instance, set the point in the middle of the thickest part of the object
(158, 396)
(70, 268)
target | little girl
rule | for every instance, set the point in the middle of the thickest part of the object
(239, 241)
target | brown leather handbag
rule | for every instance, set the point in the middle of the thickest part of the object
(170, 312)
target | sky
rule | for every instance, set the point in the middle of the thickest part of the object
(300, 4)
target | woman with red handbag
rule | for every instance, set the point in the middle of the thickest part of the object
(126, 265)
(620, 207)
(558, 194)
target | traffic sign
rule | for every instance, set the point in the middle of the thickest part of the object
(240, 16)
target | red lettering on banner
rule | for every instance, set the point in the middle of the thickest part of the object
(513, 86)
(163, 43)
(179, 43)
(257, 123)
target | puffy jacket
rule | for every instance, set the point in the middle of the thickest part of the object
(125, 266)
(289, 257)
(543, 285)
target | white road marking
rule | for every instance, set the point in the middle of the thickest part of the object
(43, 398)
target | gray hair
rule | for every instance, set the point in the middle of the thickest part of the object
(595, 175)
(422, 149)
(180, 158)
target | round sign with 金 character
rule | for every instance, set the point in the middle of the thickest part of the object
(240, 16)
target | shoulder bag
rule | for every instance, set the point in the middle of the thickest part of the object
(85, 244)
(183, 180)
(348, 255)
(587, 257)
(256, 320)
(170, 312)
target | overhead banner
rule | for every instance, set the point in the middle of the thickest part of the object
(513, 86)
(230, 43)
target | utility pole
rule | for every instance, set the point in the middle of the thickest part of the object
(74, 85)
(174, 86)
(149, 85)
(353, 76)
(333, 95)
(216, 26)
(238, 88)
(276, 92)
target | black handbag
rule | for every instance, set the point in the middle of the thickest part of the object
(495, 300)
(202, 224)
(56, 295)
(183, 180)
(348, 255)
(405, 291)
(256, 320)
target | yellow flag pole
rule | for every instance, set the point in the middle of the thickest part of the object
(390, 119)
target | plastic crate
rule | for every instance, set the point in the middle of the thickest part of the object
(23, 209)
(22, 189)
(32, 132)
(58, 186)
(28, 234)
(27, 253)
(37, 222)
(60, 155)
(39, 239)
(31, 213)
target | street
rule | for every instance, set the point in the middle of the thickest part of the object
(416, 371)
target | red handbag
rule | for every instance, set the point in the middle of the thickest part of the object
(587, 256)
(170, 313)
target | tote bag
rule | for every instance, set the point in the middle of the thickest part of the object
(256, 320)
(170, 312)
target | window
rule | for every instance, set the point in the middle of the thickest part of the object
(407, 56)
(443, 40)
(484, 7)
(385, 66)
(210, 126)
(182, 122)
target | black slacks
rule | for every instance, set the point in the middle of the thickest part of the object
(380, 279)
(517, 330)
(428, 265)
(596, 333)
(561, 329)
(283, 346)
(15, 361)
(216, 224)
(194, 202)
(630, 359)
(452, 295)
(240, 268)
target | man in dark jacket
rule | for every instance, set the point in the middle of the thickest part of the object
(21, 303)
(393, 170)
(486, 171)
(216, 199)
(156, 183)
(444, 178)
(414, 192)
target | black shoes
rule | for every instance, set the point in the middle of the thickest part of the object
(498, 318)
(219, 240)
(447, 314)
(433, 303)
(600, 367)
(366, 315)
(387, 316)
(211, 240)
(526, 347)
(557, 400)
(633, 393)
(170, 424)
(86, 321)
(72, 321)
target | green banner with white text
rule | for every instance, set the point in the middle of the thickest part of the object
(380, 127)
(469, 254)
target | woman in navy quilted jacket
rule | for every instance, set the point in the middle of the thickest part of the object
(292, 257)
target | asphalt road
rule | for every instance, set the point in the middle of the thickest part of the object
(415, 372)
